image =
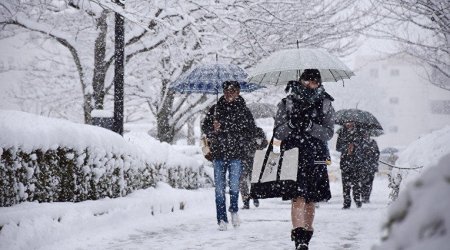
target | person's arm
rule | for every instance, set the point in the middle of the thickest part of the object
(325, 131)
(340, 144)
(282, 129)
(207, 124)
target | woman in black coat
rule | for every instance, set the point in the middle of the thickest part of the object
(305, 120)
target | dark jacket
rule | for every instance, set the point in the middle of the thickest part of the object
(354, 161)
(237, 126)
(315, 139)
(256, 141)
(371, 155)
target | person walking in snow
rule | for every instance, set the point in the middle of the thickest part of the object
(227, 126)
(370, 157)
(305, 120)
(258, 141)
(349, 143)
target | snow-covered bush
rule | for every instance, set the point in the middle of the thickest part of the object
(45, 159)
(419, 155)
(419, 218)
(65, 174)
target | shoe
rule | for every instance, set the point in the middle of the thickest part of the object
(235, 220)
(222, 226)
(346, 207)
(246, 205)
(256, 202)
(358, 204)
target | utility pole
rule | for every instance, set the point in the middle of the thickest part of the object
(119, 55)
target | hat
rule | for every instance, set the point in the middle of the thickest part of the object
(231, 84)
(311, 75)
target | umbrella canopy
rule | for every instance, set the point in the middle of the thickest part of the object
(364, 118)
(209, 78)
(287, 65)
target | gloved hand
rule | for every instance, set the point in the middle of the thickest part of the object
(301, 107)
(303, 123)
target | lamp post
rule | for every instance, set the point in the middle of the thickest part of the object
(119, 54)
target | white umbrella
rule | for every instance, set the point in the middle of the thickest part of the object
(287, 65)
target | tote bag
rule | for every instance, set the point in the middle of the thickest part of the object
(274, 175)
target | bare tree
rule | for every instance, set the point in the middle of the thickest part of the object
(164, 39)
(267, 26)
(84, 28)
(420, 28)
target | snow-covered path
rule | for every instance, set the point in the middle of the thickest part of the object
(266, 227)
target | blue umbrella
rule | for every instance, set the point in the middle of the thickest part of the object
(208, 79)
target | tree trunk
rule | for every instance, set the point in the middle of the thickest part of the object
(191, 132)
(166, 131)
(87, 108)
(98, 81)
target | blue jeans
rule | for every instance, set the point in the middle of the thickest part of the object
(234, 173)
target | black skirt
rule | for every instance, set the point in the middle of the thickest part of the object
(312, 178)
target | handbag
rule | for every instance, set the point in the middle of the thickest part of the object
(206, 149)
(274, 174)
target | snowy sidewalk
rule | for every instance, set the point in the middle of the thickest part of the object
(131, 226)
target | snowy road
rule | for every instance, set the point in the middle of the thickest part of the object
(129, 224)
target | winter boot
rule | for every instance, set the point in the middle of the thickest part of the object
(358, 204)
(256, 202)
(222, 226)
(235, 221)
(246, 204)
(301, 237)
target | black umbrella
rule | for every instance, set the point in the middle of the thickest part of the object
(360, 117)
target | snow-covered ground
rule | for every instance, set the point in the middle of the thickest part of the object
(167, 218)
(144, 220)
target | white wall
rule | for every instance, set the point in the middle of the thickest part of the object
(407, 98)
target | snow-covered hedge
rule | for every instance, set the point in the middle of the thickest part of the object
(66, 174)
(45, 159)
(419, 218)
(425, 153)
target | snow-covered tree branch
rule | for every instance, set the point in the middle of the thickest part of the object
(421, 29)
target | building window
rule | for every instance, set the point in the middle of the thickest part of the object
(374, 73)
(393, 100)
(440, 107)
(393, 129)
(395, 72)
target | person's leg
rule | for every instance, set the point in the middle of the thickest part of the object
(302, 216)
(370, 185)
(310, 212)
(302, 213)
(234, 176)
(243, 184)
(346, 187)
(365, 186)
(219, 180)
(250, 172)
(356, 186)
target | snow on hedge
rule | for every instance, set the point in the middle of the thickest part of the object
(47, 159)
(419, 217)
(424, 152)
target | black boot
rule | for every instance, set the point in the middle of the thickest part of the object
(246, 204)
(301, 237)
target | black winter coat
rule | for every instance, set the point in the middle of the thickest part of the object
(355, 161)
(237, 129)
